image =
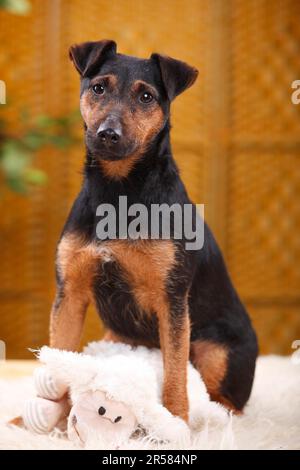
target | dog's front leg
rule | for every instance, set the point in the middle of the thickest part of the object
(174, 332)
(66, 320)
(74, 266)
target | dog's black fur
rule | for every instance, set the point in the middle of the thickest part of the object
(216, 312)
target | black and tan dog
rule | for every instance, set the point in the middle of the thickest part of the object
(151, 292)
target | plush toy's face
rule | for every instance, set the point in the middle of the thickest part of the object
(94, 415)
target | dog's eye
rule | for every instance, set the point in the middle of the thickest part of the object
(98, 89)
(146, 97)
(118, 418)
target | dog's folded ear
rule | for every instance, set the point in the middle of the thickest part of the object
(88, 56)
(177, 76)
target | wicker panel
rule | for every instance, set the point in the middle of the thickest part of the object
(277, 327)
(264, 223)
(17, 326)
(17, 320)
(31, 225)
(263, 172)
(265, 61)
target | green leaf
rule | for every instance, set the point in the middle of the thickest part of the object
(35, 176)
(17, 184)
(13, 159)
(45, 121)
(60, 141)
(35, 140)
(16, 153)
(24, 115)
(19, 7)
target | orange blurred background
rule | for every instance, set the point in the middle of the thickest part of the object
(236, 138)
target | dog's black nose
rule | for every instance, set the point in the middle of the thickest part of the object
(109, 136)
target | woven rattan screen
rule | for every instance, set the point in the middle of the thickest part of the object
(236, 139)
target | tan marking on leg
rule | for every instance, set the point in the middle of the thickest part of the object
(66, 323)
(175, 345)
(76, 263)
(211, 359)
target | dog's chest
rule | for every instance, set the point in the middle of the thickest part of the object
(143, 265)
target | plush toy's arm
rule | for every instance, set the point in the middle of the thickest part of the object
(41, 415)
(48, 386)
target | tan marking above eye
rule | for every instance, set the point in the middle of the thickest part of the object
(141, 86)
(109, 79)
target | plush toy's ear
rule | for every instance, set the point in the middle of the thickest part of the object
(177, 76)
(88, 56)
(73, 369)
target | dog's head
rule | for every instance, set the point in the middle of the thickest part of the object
(125, 100)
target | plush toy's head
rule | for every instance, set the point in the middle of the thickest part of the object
(93, 413)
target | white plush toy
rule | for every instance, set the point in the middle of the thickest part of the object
(110, 391)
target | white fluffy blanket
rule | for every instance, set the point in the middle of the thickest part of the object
(271, 419)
